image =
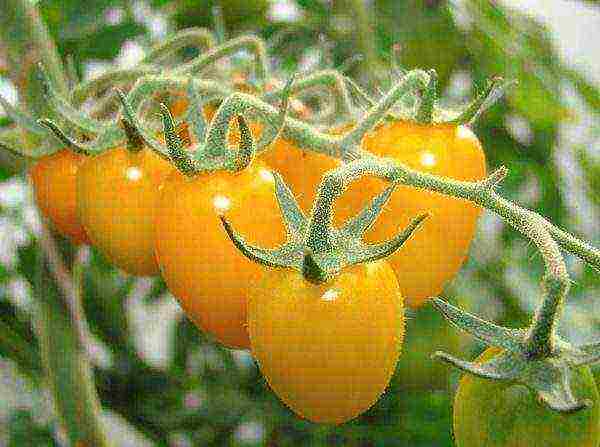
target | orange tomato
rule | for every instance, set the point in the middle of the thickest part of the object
(435, 253)
(328, 350)
(54, 187)
(302, 170)
(117, 197)
(200, 265)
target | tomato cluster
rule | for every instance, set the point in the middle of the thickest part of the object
(327, 345)
(328, 350)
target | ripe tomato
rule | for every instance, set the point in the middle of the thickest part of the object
(327, 350)
(200, 265)
(118, 192)
(500, 414)
(302, 170)
(436, 252)
(54, 187)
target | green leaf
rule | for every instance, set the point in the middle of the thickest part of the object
(25, 432)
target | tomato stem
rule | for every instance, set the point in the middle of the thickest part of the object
(428, 100)
(324, 78)
(415, 80)
(252, 44)
(62, 332)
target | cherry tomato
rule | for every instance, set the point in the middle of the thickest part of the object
(327, 350)
(54, 187)
(118, 193)
(199, 263)
(435, 253)
(302, 170)
(500, 414)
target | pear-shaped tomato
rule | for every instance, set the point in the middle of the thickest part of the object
(200, 265)
(117, 197)
(327, 350)
(54, 179)
(435, 253)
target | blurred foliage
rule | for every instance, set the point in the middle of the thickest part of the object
(206, 395)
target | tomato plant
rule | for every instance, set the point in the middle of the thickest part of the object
(204, 271)
(435, 254)
(117, 197)
(328, 350)
(54, 187)
(504, 414)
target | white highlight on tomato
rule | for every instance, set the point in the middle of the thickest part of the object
(133, 173)
(330, 295)
(266, 175)
(428, 159)
(221, 203)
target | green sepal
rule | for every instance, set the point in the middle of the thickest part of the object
(428, 100)
(69, 114)
(274, 128)
(319, 263)
(182, 160)
(195, 114)
(247, 150)
(493, 91)
(549, 376)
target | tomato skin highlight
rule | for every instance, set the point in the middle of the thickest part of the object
(118, 194)
(328, 351)
(54, 179)
(435, 253)
(202, 268)
(500, 414)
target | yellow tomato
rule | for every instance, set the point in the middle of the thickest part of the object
(301, 170)
(200, 265)
(435, 253)
(117, 197)
(54, 179)
(327, 350)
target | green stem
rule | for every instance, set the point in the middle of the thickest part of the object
(428, 99)
(253, 44)
(299, 132)
(28, 42)
(415, 80)
(365, 35)
(325, 78)
(61, 329)
(110, 79)
(540, 341)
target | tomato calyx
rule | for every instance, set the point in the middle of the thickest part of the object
(314, 247)
(547, 373)
(211, 151)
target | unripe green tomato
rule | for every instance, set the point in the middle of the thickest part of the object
(500, 414)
